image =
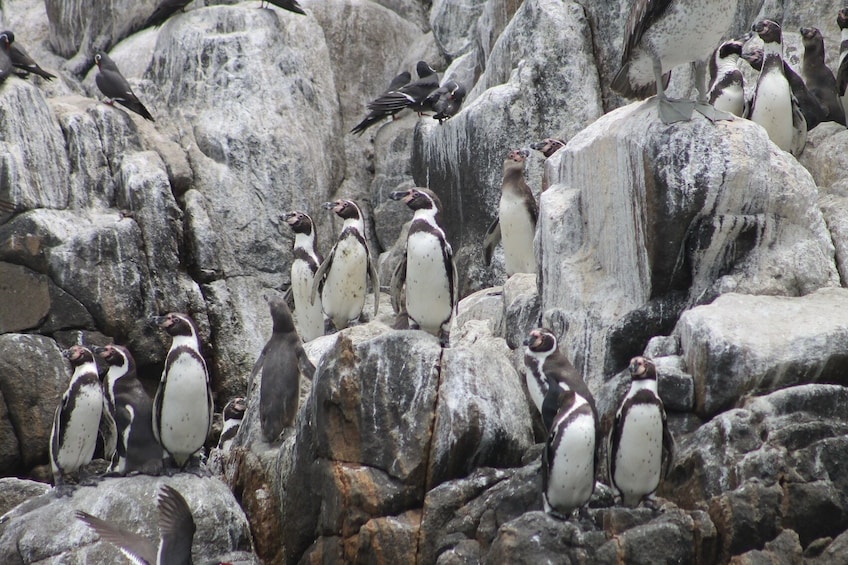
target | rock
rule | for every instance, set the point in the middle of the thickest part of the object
(14, 491)
(452, 22)
(486, 305)
(24, 298)
(521, 308)
(675, 386)
(785, 549)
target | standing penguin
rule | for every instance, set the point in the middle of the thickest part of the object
(281, 362)
(640, 447)
(571, 453)
(842, 70)
(233, 415)
(427, 266)
(727, 92)
(818, 77)
(182, 407)
(307, 259)
(137, 448)
(343, 276)
(516, 221)
(77, 418)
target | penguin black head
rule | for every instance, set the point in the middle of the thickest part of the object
(642, 368)
(541, 340)
(754, 58)
(842, 18)
(548, 146)
(176, 324)
(281, 315)
(114, 355)
(458, 93)
(234, 409)
(346, 209)
(732, 47)
(418, 198)
(299, 222)
(77, 355)
(812, 39)
(424, 69)
(768, 31)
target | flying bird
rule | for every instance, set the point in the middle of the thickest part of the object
(115, 87)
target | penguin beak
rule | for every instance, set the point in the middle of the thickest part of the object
(328, 205)
(159, 321)
(526, 341)
(524, 153)
(290, 218)
(398, 194)
(538, 146)
(98, 350)
(66, 353)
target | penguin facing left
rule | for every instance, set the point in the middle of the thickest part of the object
(343, 276)
(727, 91)
(281, 362)
(516, 220)
(640, 446)
(233, 415)
(427, 267)
(77, 418)
(182, 407)
(307, 259)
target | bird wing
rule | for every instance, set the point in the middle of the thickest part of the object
(176, 527)
(450, 269)
(643, 14)
(396, 285)
(307, 369)
(137, 549)
(491, 240)
(108, 430)
(321, 274)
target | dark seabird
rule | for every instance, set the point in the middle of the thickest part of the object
(163, 11)
(176, 532)
(375, 116)
(446, 100)
(22, 60)
(290, 5)
(818, 77)
(727, 91)
(6, 66)
(662, 34)
(842, 69)
(410, 96)
(115, 87)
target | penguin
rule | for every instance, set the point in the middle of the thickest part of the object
(374, 116)
(281, 361)
(547, 147)
(76, 421)
(22, 60)
(412, 95)
(427, 268)
(176, 532)
(727, 91)
(307, 259)
(818, 77)
(137, 448)
(182, 407)
(233, 415)
(571, 453)
(661, 34)
(640, 445)
(115, 87)
(6, 67)
(774, 107)
(342, 277)
(290, 5)
(516, 220)
(163, 11)
(446, 100)
(842, 69)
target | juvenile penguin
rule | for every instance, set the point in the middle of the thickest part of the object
(233, 415)
(281, 362)
(818, 77)
(115, 87)
(571, 453)
(77, 418)
(307, 259)
(427, 267)
(343, 276)
(137, 448)
(640, 448)
(842, 69)
(176, 532)
(516, 220)
(727, 91)
(182, 407)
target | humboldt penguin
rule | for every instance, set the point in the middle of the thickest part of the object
(176, 532)
(22, 60)
(307, 259)
(773, 106)
(182, 407)
(411, 95)
(842, 69)
(6, 67)
(290, 5)
(446, 100)
(427, 267)
(516, 220)
(77, 419)
(662, 34)
(571, 453)
(547, 147)
(727, 91)
(640, 447)
(281, 361)
(375, 116)
(818, 77)
(137, 448)
(163, 11)
(115, 87)
(233, 414)
(343, 276)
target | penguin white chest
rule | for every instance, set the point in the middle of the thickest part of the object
(184, 415)
(732, 99)
(309, 317)
(638, 460)
(537, 383)
(773, 108)
(343, 295)
(571, 472)
(428, 299)
(517, 231)
(81, 426)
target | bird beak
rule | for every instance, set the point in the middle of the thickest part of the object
(66, 353)
(328, 205)
(398, 194)
(99, 351)
(290, 218)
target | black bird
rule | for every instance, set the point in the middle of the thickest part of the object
(410, 96)
(6, 67)
(176, 532)
(446, 100)
(374, 116)
(163, 11)
(114, 86)
(290, 5)
(818, 77)
(22, 60)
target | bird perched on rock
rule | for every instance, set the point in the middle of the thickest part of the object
(842, 69)
(547, 147)
(727, 91)
(427, 267)
(132, 408)
(375, 116)
(516, 220)
(446, 100)
(176, 532)
(76, 421)
(281, 361)
(182, 407)
(818, 77)
(290, 5)
(163, 11)
(307, 259)
(571, 453)
(115, 87)
(233, 414)
(640, 448)
(22, 60)
(343, 276)
(411, 95)
(661, 34)
(6, 67)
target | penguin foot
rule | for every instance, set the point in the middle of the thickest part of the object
(64, 489)
(709, 112)
(652, 503)
(672, 111)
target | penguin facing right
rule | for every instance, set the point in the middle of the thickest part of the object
(818, 77)
(640, 446)
(308, 315)
(233, 414)
(842, 69)
(343, 276)
(182, 407)
(516, 221)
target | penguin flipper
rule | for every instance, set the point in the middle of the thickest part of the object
(668, 448)
(842, 76)
(288, 297)
(396, 285)
(375, 284)
(260, 361)
(108, 431)
(612, 451)
(320, 274)
(136, 548)
(493, 237)
(453, 279)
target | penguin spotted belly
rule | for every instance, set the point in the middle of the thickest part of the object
(308, 317)
(427, 285)
(184, 420)
(638, 461)
(343, 295)
(571, 478)
(773, 108)
(517, 232)
(80, 431)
